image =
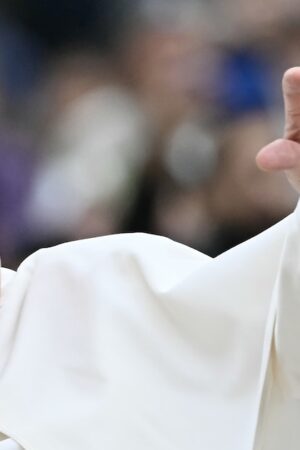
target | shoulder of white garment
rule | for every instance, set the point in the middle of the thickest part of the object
(85, 252)
(160, 260)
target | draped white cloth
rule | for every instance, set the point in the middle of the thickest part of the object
(9, 444)
(136, 342)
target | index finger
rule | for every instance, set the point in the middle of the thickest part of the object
(291, 93)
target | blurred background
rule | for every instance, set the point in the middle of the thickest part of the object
(141, 115)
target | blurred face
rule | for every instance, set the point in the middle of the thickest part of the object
(167, 70)
(256, 17)
(73, 75)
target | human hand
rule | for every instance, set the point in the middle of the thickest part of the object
(284, 154)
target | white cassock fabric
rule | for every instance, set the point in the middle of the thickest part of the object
(135, 342)
(9, 444)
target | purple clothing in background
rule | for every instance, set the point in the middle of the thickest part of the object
(17, 164)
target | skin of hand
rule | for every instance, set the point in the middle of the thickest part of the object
(284, 154)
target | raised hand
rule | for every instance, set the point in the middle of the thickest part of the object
(284, 154)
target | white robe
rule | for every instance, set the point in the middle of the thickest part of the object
(140, 343)
(9, 444)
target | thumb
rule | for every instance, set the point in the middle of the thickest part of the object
(284, 154)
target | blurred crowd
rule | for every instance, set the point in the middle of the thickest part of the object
(141, 115)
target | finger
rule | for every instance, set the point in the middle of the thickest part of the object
(281, 154)
(284, 154)
(291, 93)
